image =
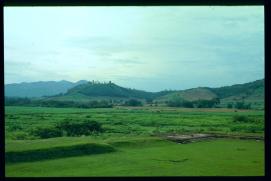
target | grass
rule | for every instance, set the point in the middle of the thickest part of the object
(125, 121)
(156, 158)
(130, 144)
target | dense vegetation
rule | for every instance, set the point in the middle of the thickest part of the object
(108, 89)
(242, 96)
(11, 101)
(191, 104)
(239, 89)
(104, 141)
(33, 122)
(133, 102)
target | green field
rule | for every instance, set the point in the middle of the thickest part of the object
(133, 143)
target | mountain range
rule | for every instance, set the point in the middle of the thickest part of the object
(252, 92)
(39, 89)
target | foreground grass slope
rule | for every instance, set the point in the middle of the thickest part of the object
(155, 158)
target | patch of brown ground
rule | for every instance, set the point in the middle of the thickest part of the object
(187, 138)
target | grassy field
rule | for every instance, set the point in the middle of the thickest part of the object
(132, 145)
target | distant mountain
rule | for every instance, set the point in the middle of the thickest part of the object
(39, 89)
(82, 91)
(239, 91)
(189, 95)
(246, 90)
(252, 92)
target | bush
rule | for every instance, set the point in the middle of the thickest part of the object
(174, 103)
(180, 103)
(237, 128)
(242, 105)
(188, 104)
(46, 132)
(206, 103)
(79, 128)
(240, 118)
(20, 136)
(133, 102)
(247, 129)
(254, 129)
(229, 106)
(15, 127)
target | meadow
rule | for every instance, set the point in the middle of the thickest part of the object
(133, 142)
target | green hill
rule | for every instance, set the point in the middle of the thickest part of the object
(241, 90)
(189, 95)
(252, 93)
(102, 91)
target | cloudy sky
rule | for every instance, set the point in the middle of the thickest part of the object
(148, 48)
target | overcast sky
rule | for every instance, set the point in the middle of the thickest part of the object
(148, 48)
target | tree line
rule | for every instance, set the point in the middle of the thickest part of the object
(53, 103)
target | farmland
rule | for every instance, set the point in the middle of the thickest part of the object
(133, 142)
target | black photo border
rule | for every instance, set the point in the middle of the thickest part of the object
(267, 48)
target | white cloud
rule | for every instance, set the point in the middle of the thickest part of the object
(152, 48)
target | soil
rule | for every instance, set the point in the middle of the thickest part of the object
(187, 138)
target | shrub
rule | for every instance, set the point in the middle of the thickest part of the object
(133, 102)
(242, 105)
(20, 135)
(188, 104)
(206, 103)
(240, 118)
(79, 128)
(15, 127)
(237, 128)
(254, 129)
(174, 103)
(46, 132)
(229, 105)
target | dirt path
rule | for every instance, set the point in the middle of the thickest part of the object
(187, 138)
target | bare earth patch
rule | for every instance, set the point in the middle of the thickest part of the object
(187, 138)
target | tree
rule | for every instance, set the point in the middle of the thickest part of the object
(133, 102)
(229, 105)
(149, 100)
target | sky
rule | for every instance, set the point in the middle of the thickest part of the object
(147, 48)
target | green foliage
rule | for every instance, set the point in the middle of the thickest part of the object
(247, 128)
(55, 103)
(79, 128)
(240, 118)
(133, 102)
(19, 135)
(108, 89)
(123, 120)
(46, 132)
(16, 101)
(83, 96)
(242, 105)
(207, 103)
(149, 100)
(174, 103)
(247, 88)
(230, 105)
(15, 127)
(190, 104)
